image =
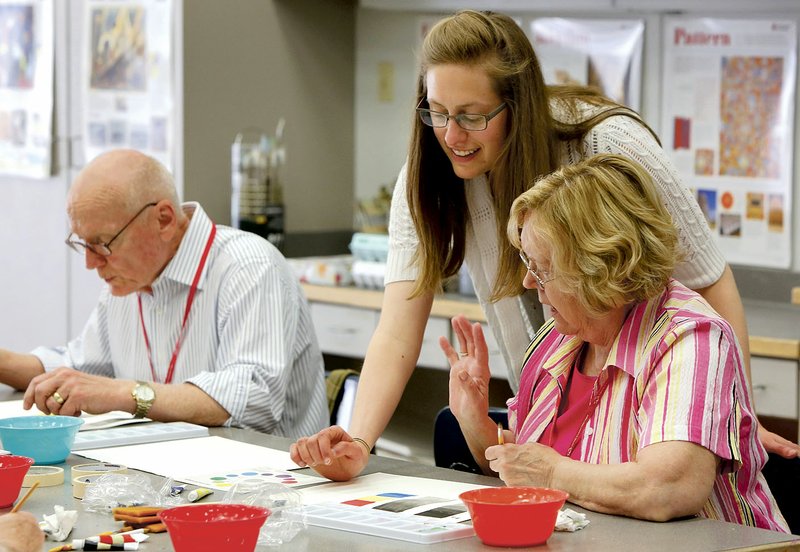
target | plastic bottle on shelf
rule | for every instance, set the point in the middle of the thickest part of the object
(257, 163)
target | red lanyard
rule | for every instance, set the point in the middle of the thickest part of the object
(189, 301)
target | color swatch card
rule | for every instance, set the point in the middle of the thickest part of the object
(150, 432)
(225, 480)
(393, 506)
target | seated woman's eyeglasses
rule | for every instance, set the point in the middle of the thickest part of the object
(540, 280)
(102, 249)
(467, 121)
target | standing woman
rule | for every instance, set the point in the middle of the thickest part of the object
(486, 128)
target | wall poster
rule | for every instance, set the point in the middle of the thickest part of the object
(728, 113)
(26, 87)
(128, 77)
(603, 53)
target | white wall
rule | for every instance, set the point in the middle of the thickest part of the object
(243, 63)
(250, 62)
(382, 127)
(33, 257)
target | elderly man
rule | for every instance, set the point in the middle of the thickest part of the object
(197, 322)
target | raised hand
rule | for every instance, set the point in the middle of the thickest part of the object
(469, 371)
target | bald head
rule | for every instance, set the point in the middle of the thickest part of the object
(126, 191)
(122, 181)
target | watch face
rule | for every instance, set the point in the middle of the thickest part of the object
(145, 393)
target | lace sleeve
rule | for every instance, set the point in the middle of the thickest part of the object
(403, 238)
(703, 262)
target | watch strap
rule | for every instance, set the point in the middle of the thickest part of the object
(142, 405)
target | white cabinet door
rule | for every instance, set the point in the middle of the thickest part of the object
(775, 387)
(431, 355)
(497, 364)
(344, 331)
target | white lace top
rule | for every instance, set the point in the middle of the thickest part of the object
(514, 320)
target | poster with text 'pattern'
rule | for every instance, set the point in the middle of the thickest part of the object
(728, 112)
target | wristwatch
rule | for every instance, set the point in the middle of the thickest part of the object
(144, 395)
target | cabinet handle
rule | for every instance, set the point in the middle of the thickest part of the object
(759, 387)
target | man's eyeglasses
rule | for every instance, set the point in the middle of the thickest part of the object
(542, 279)
(467, 121)
(102, 249)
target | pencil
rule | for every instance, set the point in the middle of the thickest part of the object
(500, 439)
(19, 504)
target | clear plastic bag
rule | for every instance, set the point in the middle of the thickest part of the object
(114, 490)
(287, 513)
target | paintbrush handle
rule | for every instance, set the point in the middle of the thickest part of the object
(19, 504)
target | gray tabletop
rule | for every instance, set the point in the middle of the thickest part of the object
(603, 533)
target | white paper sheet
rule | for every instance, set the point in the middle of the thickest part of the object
(11, 409)
(187, 457)
(253, 476)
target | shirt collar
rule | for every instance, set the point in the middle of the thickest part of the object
(621, 355)
(558, 365)
(182, 267)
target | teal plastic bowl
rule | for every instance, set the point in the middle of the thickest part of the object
(46, 439)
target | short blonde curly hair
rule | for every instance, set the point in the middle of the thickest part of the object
(612, 240)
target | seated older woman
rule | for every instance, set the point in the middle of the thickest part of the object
(633, 397)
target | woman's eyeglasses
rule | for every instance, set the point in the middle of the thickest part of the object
(541, 279)
(467, 121)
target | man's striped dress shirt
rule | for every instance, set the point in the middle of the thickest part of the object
(249, 342)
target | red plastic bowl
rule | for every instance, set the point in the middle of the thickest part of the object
(12, 471)
(214, 526)
(514, 516)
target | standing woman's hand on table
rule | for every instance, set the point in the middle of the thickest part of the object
(20, 532)
(332, 453)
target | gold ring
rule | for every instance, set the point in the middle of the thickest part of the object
(463, 354)
(58, 398)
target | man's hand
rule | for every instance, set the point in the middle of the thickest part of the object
(69, 392)
(331, 453)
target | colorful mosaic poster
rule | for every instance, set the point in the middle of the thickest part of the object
(728, 112)
(128, 77)
(606, 54)
(26, 87)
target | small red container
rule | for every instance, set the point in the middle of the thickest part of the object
(514, 516)
(197, 527)
(12, 472)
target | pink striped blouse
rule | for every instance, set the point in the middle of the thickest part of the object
(675, 373)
